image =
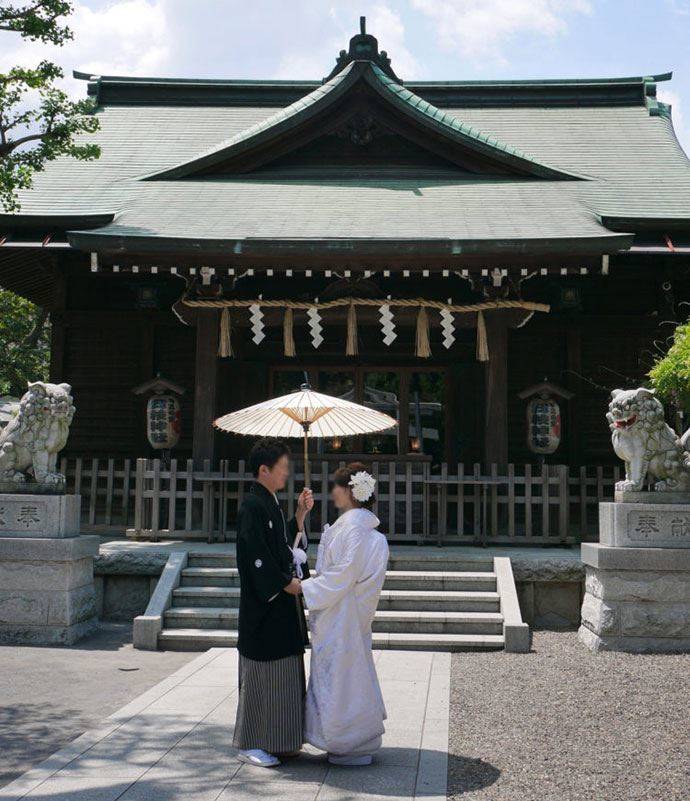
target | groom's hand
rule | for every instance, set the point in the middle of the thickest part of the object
(305, 503)
(294, 587)
(306, 500)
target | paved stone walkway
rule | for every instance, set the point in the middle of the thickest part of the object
(174, 743)
(50, 695)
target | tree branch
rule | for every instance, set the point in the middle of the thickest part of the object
(8, 147)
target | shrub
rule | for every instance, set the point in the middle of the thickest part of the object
(671, 374)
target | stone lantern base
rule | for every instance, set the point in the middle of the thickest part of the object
(47, 594)
(637, 590)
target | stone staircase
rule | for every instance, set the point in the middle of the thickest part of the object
(446, 603)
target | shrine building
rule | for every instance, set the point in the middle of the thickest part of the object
(452, 252)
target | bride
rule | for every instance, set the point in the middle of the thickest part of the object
(344, 708)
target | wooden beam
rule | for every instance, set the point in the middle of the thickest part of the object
(496, 390)
(205, 385)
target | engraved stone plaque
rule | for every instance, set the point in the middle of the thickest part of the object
(26, 516)
(39, 515)
(640, 525)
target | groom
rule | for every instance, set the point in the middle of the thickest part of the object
(272, 627)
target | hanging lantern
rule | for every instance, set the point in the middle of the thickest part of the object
(163, 422)
(544, 419)
(163, 413)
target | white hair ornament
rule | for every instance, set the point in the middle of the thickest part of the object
(363, 485)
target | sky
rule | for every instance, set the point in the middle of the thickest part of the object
(425, 39)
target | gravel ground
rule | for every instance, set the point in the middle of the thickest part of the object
(49, 696)
(562, 724)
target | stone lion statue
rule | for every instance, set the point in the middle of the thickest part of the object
(36, 433)
(646, 443)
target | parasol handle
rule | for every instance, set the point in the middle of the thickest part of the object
(307, 477)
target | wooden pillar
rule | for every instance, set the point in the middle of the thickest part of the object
(574, 360)
(404, 413)
(57, 347)
(57, 326)
(496, 389)
(147, 344)
(205, 384)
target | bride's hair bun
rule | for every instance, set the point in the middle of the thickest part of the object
(343, 477)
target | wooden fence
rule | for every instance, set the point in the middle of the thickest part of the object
(455, 504)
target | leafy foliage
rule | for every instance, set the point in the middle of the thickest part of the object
(37, 20)
(671, 374)
(38, 121)
(24, 343)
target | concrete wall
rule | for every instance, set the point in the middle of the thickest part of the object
(122, 598)
(125, 581)
(550, 589)
(551, 605)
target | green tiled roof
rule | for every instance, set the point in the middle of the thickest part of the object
(280, 119)
(490, 216)
(481, 140)
(391, 91)
(635, 169)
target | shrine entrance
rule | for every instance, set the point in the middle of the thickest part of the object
(416, 396)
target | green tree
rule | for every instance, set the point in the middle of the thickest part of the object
(671, 373)
(24, 343)
(38, 122)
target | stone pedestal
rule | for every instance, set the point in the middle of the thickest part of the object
(40, 516)
(47, 594)
(637, 578)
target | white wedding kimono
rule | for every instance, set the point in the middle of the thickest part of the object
(344, 710)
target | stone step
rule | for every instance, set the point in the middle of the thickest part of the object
(384, 621)
(396, 600)
(461, 580)
(210, 560)
(435, 562)
(209, 577)
(228, 597)
(439, 601)
(441, 563)
(481, 581)
(202, 639)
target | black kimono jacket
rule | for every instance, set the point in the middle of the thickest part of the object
(271, 624)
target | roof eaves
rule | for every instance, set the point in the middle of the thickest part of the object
(659, 78)
(64, 221)
(117, 242)
(124, 90)
(650, 222)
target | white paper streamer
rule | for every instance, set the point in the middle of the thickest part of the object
(315, 326)
(448, 328)
(257, 318)
(387, 325)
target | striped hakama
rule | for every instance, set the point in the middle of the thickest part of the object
(270, 707)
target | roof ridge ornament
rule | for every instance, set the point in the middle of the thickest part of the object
(363, 47)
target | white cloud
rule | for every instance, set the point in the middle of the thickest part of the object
(130, 37)
(388, 28)
(681, 7)
(481, 28)
(382, 21)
